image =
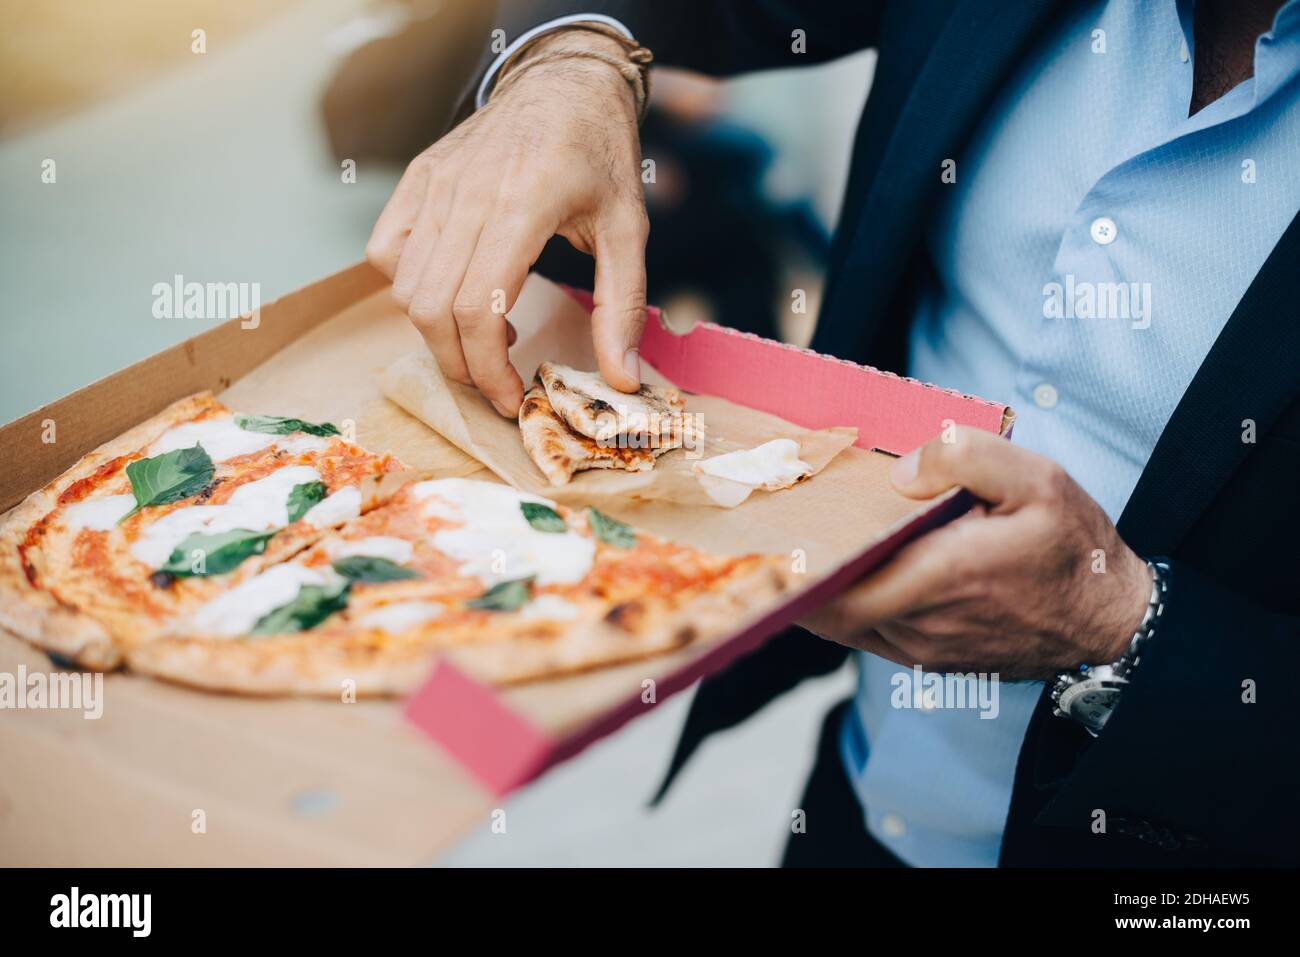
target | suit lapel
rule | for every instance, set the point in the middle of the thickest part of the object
(979, 45)
(1252, 373)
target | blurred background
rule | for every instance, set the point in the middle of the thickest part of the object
(209, 138)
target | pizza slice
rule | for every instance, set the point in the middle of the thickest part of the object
(571, 421)
(560, 452)
(512, 587)
(653, 417)
(178, 509)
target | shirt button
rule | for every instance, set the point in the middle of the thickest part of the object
(1103, 230)
(1045, 395)
(1183, 53)
(893, 825)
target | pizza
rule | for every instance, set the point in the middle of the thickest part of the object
(269, 555)
(571, 420)
(177, 509)
(560, 452)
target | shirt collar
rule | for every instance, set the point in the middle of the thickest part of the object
(1277, 52)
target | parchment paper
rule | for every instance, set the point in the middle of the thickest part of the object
(563, 334)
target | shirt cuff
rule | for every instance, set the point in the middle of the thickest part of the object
(550, 26)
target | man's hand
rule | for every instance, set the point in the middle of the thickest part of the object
(1035, 581)
(556, 153)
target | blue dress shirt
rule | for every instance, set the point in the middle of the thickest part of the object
(1091, 249)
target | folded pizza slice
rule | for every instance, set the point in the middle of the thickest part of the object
(510, 586)
(653, 417)
(571, 421)
(560, 452)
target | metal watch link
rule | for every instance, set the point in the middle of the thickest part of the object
(1089, 695)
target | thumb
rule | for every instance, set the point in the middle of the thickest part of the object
(986, 464)
(618, 317)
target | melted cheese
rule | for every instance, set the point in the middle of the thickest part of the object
(297, 443)
(257, 506)
(237, 611)
(396, 550)
(772, 465)
(98, 514)
(494, 542)
(629, 413)
(343, 506)
(401, 615)
(219, 436)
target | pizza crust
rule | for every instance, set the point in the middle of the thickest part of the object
(372, 663)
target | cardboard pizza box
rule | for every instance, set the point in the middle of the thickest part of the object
(311, 781)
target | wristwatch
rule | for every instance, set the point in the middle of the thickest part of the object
(1089, 695)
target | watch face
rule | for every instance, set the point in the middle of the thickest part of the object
(1089, 703)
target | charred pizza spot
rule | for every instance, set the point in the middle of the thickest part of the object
(206, 494)
(599, 405)
(162, 580)
(62, 661)
(29, 570)
(686, 634)
(626, 615)
(530, 407)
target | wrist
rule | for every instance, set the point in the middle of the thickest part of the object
(1130, 608)
(573, 38)
(1089, 695)
(582, 55)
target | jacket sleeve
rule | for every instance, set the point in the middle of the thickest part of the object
(722, 37)
(717, 37)
(1204, 744)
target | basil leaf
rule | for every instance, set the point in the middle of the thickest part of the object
(368, 568)
(506, 596)
(312, 605)
(303, 497)
(169, 477)
(611, 531)
(543, 517)
(219, 553)
(280, 425)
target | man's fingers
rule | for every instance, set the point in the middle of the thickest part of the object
(917, 578)
(506, 250)
(431, 303)
(388, 238)
(620, 300)
(988, 465)
(415, 254)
